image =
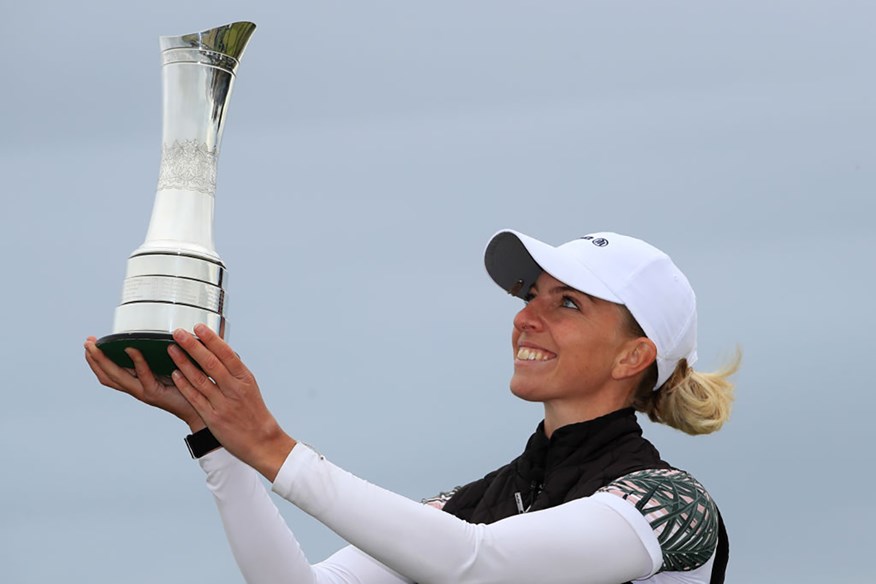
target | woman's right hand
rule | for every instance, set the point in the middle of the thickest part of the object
(141, 384)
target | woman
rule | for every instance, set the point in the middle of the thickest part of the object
(609, 327)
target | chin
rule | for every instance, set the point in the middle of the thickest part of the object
(525, 391)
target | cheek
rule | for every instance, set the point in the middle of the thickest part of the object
(583, 356)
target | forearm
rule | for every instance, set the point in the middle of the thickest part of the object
(579, 541)
(264, 548)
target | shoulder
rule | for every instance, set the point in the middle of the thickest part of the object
(678, 509)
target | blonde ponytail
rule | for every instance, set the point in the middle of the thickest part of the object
(690, 401)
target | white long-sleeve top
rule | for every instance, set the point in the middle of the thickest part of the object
(603, 538)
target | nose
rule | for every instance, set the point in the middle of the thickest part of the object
(529, 317)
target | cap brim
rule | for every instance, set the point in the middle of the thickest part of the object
(515, 261)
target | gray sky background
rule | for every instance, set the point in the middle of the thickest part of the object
(371, 150)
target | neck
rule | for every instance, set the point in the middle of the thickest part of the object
(559, 413)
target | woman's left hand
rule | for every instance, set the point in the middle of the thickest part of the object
(225, 394)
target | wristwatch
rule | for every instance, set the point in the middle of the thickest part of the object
(201, 442)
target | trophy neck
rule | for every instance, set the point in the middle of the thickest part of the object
(198, 72)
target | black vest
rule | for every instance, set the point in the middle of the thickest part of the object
(575, 462)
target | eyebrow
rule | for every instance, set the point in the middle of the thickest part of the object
(563, 289)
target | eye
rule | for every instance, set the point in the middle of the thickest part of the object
(528, 297)
(569, 302)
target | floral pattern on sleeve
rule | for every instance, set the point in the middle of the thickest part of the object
(680, 511)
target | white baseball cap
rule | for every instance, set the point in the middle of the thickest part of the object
(613, 267)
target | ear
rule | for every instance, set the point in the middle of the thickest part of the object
(635, 356)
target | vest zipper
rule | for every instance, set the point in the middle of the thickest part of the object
(534, 490)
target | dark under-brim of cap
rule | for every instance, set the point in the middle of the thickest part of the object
(510, 265)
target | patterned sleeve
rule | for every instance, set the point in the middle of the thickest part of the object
(439, 500)
(680, 511)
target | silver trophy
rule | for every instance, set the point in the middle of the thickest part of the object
(176, 279)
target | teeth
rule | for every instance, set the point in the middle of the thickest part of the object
(528, 354)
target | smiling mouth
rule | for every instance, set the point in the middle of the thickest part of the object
(530, 354)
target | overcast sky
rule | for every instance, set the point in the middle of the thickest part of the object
(370, 151)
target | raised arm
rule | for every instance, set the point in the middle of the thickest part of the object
(265, 549)
(584, 540)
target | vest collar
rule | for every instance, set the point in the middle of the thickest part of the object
(581, 440)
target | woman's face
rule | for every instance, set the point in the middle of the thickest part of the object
(566, 344)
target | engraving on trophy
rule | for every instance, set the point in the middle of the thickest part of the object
(173, 290)
(188, 165)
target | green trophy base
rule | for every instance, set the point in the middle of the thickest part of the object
(153, 346)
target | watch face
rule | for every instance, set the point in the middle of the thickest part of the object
(201, 442)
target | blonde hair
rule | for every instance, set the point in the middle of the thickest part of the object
(690, 401)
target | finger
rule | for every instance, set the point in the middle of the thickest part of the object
(222, 350)
(98, 372)
(108, 373)
(141, 369)
(193, 396)
(196, 378)
(203, 356)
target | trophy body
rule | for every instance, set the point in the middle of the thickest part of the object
(175, 279)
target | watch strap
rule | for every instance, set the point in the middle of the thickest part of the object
(201, 442)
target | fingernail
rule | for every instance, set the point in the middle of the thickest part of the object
(179, 334)
(176, 374)
(172, 350)
(201, 329)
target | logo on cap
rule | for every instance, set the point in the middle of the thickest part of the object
(597, 241)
